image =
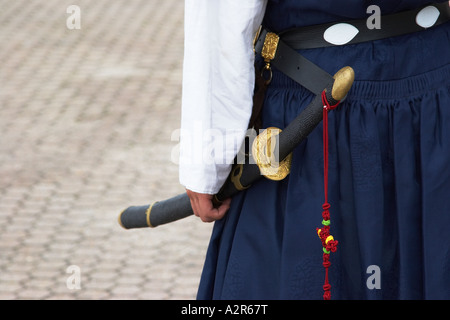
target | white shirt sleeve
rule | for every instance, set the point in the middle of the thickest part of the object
(218, 81)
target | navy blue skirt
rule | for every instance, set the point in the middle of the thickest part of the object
(389, 186)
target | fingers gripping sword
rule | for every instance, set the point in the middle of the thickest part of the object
(243, 175)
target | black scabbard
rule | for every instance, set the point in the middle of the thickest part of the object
(241, 177)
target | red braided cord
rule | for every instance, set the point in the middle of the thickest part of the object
(328, 243)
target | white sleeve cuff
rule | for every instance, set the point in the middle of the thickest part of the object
(218, 81)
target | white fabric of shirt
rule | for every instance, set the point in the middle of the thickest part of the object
(218, 82)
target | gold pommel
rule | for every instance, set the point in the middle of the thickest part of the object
(343, 81)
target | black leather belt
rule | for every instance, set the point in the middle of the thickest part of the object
(291, 63)
(280, 50)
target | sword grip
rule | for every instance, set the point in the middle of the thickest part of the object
(297, 130)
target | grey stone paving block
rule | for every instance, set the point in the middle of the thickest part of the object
(86, 118)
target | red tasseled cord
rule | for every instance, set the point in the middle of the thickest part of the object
(324, 233)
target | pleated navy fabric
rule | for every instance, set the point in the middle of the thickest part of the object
(389, 176)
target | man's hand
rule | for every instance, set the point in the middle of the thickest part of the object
(203, 206)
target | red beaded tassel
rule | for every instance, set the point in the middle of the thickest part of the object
(328, 242)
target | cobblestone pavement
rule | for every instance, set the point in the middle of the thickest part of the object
(86, 119)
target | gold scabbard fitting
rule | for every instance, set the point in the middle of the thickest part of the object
(268, 52)
(263, 151)
(147, 213)
(120, 219)
(236, 174)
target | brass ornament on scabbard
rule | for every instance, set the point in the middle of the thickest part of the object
(270, 46)
(147, 213)
(236, 174)
(264, 153)
(268, 52)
